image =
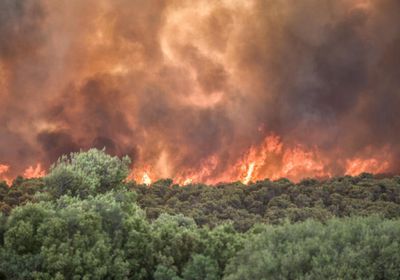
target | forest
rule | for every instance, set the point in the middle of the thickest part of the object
(85, 220)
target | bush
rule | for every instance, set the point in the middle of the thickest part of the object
(350, 248)
(86, 173)
(106, 237)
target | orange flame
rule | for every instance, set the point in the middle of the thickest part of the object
(146, 179)
(188, 181)
(142, 176)
(250, 170)
(273, 160)
(357, 165)
(4, 169)
(34, 172)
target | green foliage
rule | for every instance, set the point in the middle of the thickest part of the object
(356, 248)
(21, 191)
(86, 173)
(221, 244)
(165, 273)
(101, 237)
(176, 238)
(274, 202)
(201, 268)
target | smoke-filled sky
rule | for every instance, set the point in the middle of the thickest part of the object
(203, 90)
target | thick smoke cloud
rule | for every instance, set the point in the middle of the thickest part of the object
(179, 85)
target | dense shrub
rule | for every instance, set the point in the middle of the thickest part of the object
(86, 173)
(351, 248)
(274, 202)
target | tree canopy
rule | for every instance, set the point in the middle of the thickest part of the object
(86, 173)
(85, 221)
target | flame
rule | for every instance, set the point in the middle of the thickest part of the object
(299, 163)
(271, 159)
(371, 165)
(200, 174)
(4, 169)
(249, 172)
(187, 181)
(141, 175)
(30, 172)
(146, 179)
(34, 172)
(161, 79)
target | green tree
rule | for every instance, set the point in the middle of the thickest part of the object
(101, 237)
(86, 173)
(349, 248)
(201, 268)
(165, 273)
(175, 239)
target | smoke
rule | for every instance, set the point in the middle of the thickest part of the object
(183, 86)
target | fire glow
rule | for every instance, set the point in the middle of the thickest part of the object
(270, 160)
(30, 172)
(203, 91)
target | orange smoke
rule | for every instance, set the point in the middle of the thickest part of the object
(202, 91)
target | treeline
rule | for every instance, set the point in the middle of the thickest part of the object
(273, 202)
(84, 221)
(270, 202)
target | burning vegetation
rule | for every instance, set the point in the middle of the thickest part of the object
(204, 91)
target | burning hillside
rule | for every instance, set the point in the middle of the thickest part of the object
(202, 91)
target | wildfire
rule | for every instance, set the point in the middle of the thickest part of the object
(4, 169)
(30, 172)
(188, 181)
(249, 172)
(34, 172)
(146, 179)
(190, 94)
(141, 175)
(271, 159)
(371, 165)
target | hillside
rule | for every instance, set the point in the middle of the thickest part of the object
(85, 221)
